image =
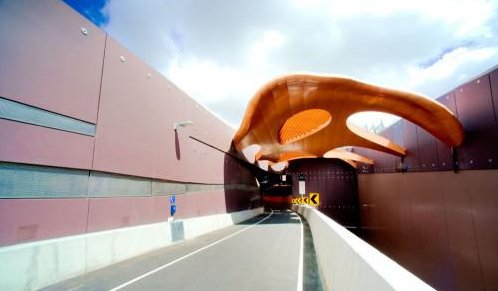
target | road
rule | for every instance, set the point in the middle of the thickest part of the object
(263, 253)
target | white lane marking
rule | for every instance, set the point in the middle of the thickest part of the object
(301, 255)
(186, 256)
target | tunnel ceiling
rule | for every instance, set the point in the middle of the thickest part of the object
(306, 115)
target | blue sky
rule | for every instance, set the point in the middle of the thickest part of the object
(91, 9)
(220, 51)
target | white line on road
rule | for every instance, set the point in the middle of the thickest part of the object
(301, 255)
(186, 256)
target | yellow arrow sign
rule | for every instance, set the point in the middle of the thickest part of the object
(314, 199)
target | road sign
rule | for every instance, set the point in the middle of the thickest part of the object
(172, 202)
(314, 199)
(302, 188)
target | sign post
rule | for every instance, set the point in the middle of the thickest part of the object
(172, 208)
(312, 200)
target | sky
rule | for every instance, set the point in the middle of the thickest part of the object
(221, 52)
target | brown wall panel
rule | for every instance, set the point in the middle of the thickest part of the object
(462, 240)
(483, 187)
(386, 162)
(377, 209)
(238, 200)
(363, 168)
(335, 181)
(445, 161)
(427, 151)
(428, 229)
(398, 138)
(475, 111)
(493, 78)
(46, 60)
(442, 226)
(411, 160)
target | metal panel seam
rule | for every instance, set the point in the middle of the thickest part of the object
(98, 101)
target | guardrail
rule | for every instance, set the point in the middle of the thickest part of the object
(348, 263)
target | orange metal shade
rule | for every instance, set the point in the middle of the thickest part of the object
(303, 124)
(305, 115)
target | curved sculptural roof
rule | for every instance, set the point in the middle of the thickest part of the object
(305, 115)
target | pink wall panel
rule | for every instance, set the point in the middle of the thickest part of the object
(46, 61)
(125, 132)
(116, 212)
(23, 220)
(137, 110)
(110, 213)
(200, 204)
(24, 143)
(161, 208)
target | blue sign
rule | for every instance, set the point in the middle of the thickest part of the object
(172, 209)
(172, 199)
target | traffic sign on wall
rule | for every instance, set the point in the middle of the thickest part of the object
(312, 200)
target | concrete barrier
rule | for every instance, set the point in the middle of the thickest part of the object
(348, 263)
(35, 265)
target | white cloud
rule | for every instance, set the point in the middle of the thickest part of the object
(269, 42)
(449, 64)
(220, 52)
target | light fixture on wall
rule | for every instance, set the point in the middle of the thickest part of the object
(184, 123)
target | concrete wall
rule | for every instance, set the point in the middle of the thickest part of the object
(38, 264)
(348, 263)
(439, 225)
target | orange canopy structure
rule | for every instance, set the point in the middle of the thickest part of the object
(305, 115)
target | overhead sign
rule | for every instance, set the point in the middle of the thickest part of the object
(312, 200)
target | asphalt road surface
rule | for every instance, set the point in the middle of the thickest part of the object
(263, 253)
